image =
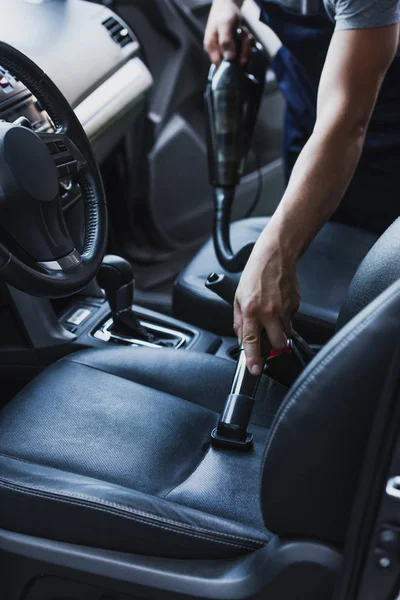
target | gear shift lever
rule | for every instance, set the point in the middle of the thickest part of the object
(117, 279)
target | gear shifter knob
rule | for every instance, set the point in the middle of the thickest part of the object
(117, 279)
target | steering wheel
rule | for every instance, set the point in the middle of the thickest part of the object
(37, 254)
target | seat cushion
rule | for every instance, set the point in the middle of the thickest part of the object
(325, 273)
(111, 449)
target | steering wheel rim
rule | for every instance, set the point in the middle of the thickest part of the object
(54, 275)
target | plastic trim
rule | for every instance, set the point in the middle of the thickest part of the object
(280, 567)
(113, 99)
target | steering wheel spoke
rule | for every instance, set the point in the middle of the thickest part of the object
(53, 230)
(70, 162)
(71, 260)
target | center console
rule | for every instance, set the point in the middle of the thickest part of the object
(164, 337)
(112, 318)
(90, 320)
(35, 332)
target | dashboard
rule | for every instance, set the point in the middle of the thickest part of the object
(93, 57)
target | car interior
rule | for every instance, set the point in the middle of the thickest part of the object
(138, 457)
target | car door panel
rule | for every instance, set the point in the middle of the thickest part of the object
(179, 198)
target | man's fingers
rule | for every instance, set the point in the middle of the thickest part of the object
(227, 41)
(251, 344)
(276, 333)
(211, 47)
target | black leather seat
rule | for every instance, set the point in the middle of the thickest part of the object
(325, 273)
(106, 451)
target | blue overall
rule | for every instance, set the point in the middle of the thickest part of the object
(372, 200)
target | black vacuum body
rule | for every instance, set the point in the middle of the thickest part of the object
(232, 98)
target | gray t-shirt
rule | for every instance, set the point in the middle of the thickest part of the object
(350, 14)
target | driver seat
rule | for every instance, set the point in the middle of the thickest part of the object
(105, 458)
(325, 272)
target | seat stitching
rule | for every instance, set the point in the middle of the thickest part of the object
(161, 496)
(207, 536)
(31, 462)
(133, 511)
(331, 356)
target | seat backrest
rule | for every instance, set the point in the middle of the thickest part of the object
(379, 269)
(318, 438)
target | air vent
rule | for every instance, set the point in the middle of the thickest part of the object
(119, 33)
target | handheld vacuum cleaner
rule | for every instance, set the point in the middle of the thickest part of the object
(232, 99)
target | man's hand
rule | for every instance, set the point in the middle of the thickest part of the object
(267, 297)
(219, 39)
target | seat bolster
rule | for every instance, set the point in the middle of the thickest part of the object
(379, 269)
(180, 369)
(320, 433)
(47, 502)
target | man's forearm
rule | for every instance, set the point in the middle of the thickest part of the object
(354, 70)
(319, 180)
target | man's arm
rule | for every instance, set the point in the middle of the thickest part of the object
(267, 296)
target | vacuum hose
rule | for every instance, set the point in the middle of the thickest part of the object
(233, 263)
